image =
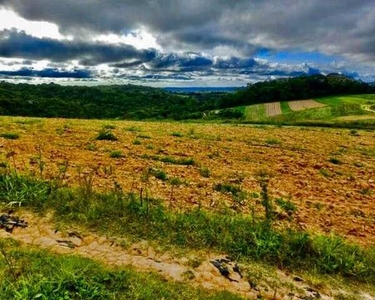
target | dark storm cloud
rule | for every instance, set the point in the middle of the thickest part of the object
(48, 73)
(343, 27)
(14, 44)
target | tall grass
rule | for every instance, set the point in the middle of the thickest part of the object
(236, 234)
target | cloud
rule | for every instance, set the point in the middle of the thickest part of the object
(21, 45)
(47, 73)
(342, 27)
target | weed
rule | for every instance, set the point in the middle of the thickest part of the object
(236, 234)
(354, 132)
(177, 134)
(159, 174)
(227, 188)
(91, 147)
(106, 135)
(116, 154)
(286, 205)
(144, 136)
(10, 136)
(273, 141)
(325, 173)
(205, 172)
(358, 164)
(178, 161)
(335, 161)
(109, 126)
(133, 129)
(39, 274)
(137, 142)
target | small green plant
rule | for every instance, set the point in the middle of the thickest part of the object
(177, 134)
(133, 129)
(144, 136)
(354, 132)
(91, 147)
(325, 173)
(335, 161)
(106, 135)
(109, 126)
(227, 188)
(286, 205)
(10, 136)
(137, 142)
(178, 161)
(116, 154)
(159, 174)
(205, 172)
(273, 141)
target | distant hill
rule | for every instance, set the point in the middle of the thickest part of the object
(188, 90)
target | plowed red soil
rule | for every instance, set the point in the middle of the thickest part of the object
(273, 109)
(331, 195)
(304, 104)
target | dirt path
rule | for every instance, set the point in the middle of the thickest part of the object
(143, 257)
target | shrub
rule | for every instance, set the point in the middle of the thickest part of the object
(106, 135)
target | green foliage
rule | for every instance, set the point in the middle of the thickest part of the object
(235, 234)
(116, 154)
(273, 141)
(177, 134)
(38, 274)
(106, 135)
(140, 102)
(159, 174)
(137, 142)
(227, 188)
(205, 172)
(172, 160)
(335, 161)
(10, 135)
(109, 126)
(286, 205)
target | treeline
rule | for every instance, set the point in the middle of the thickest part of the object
(140, 102)
(297, 88)
(117, 101)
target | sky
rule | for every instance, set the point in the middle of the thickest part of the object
(184, 42)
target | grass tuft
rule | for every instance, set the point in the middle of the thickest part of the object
(10, 136)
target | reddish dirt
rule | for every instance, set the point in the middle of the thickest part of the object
(298, 105)
(273, 109)
(331, 196)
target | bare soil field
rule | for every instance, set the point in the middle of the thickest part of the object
(273, 109)
(304, 104)
(327, 174)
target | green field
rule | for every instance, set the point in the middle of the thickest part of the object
(340, 111)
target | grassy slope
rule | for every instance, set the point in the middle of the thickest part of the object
(28, 273)
(334, 113)
(238, 235)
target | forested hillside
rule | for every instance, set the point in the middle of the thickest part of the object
(140, 102)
